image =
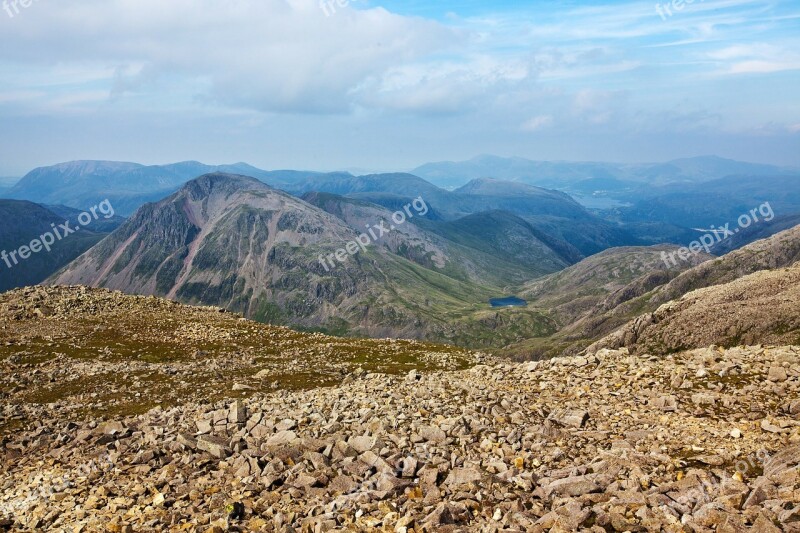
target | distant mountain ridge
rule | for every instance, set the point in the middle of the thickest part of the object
(128, 185)
(630, 208)
(559, 173)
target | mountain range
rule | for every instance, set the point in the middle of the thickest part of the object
(234, 242)
(590, 176)
(269, 251)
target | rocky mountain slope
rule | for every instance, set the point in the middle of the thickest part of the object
(570, 293)
(233, 242)
(760, 231)
(703, 440)
(594, 298)
(760, 307)
(494, 247)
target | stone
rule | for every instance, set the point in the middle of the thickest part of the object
(408, 467)
(413, 376)
(432, 434)
(204, 426)
(764, 525)
(286, 424)
(113, 428)
(447, 513)
(777, 374)
(573, 486)
(342, 485)
(282, 438)
(491, 448)
(666, 403)
(575, 418)
(463, 476)
(238, 413)
(362, 444)
(704, 399)
(216, 446)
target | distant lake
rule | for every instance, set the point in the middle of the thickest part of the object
(509, 301)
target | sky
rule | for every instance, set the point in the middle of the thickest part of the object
(389, 85)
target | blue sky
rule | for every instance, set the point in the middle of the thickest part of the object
(389, 85)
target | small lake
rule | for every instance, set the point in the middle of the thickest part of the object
(509, 301)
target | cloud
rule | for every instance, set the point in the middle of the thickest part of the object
(537, 123)
(445, 87)
(267, 55)
(755, 58)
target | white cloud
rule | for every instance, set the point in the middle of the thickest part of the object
(269, 55)
(537, 123)
(444, 86)
(763, 67)
(755, 58)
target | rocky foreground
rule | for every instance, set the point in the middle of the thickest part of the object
(705, 440)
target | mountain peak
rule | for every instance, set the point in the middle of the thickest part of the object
(221, 183)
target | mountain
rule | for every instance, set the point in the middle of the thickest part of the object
(456, 174)
(494, 248)
(595, 297)
(570, 293)
(79, 184)
(562, 174)
(710, 168)
(762, 230)
(504, 235)
(760, 308)
(101, 224)
(23, 222)
(473, 198)
(714, 202)
(779, 251)
(234, 242)
(579, 298)
(555, 216)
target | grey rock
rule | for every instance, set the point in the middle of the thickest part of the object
(216, 446)
(569, 417)
(282, 438)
